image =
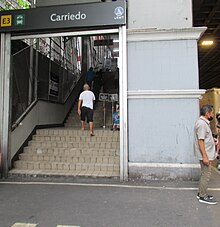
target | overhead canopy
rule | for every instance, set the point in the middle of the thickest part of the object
(206, 13)
(62, 17)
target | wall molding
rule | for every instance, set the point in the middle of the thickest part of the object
(165, 94)
(162, 165)
(154, 34)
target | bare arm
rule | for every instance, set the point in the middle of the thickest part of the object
(203, 152)
(79, 106)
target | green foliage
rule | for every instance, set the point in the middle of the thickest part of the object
(24, 4)
(18, 4)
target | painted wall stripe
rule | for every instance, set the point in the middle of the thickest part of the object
(163, 165)
(24, 225)
(68, 226)
(107, 185)
(34, 225)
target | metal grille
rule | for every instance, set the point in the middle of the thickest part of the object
(46, 69)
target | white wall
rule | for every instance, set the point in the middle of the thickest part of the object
(163, 65)
(43, 113)
(159, 13)
(165, 125)
(161, 130)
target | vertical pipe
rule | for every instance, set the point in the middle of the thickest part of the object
(49, 75)
(5, 99)
(84, 55)
(32, 79)
(36, 71)
(2, 60)
(31, 76)
(123, 103)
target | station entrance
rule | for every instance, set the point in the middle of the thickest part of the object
(79, 25)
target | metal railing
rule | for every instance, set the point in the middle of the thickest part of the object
(42, 69)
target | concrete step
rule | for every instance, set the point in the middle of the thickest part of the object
(65, 166)
(82, 139)
(75, 132)
(97, 125)
(73, 151)
(69, 158)
(63, 173)
(98, 120)
(97, 115)
(60, 144)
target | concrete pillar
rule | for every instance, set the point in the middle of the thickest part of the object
(163, 89)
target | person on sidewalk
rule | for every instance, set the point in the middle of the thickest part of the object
(85, 107)
(204, 147)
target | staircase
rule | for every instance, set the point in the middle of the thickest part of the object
(69, 151)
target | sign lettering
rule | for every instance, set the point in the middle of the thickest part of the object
(6, 21)
(68, 16)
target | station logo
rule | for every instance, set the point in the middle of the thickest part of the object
(119, 13)
(6, 21)
(19, 19)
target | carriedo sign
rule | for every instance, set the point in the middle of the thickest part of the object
(67, 16)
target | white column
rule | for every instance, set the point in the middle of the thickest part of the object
(123, 104)
(163, 89)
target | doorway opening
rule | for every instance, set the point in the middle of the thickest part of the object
(67, 35)
(53, 66)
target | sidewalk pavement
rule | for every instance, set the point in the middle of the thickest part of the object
(96, 203)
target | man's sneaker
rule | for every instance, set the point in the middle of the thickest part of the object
(207, 200)
(209, 196)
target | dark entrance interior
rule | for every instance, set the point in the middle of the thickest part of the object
(207, 13)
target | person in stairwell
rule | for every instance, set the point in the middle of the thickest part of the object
(85, 107)
(90, 75)
(97, 83)
(116, 119)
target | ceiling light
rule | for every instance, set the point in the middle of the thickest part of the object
(207, 42)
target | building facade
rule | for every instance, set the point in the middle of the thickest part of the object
(162, 88)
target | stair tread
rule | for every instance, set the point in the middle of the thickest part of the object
(36, 173)
(58, 162)
(70, 132)
(68, 155)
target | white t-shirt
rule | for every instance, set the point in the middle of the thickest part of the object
(87, 98)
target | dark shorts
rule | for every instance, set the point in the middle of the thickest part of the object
(86, 114)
